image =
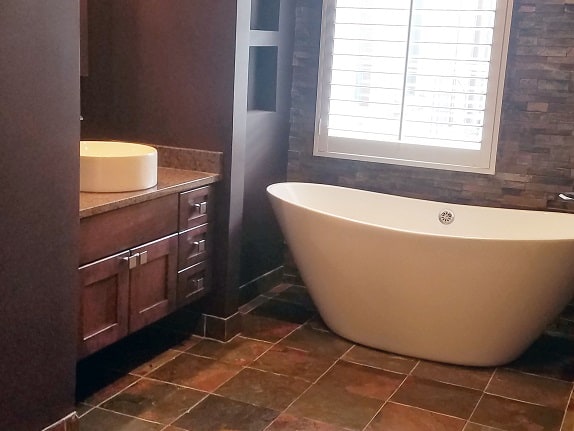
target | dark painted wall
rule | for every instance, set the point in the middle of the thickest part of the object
(160, 72)
(536, 147)
(39, 132)
(267, 139)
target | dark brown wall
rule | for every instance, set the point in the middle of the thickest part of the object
(266, 146)
(160, 72)
(536, 148)
(39, 132)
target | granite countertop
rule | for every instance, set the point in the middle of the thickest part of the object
(170, 180)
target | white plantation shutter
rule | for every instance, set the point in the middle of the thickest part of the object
(415, 82)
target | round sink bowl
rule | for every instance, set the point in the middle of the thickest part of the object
(109, 166)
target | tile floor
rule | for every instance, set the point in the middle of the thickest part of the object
(287, 372)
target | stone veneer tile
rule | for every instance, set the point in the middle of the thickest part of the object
(217, 413)
(514, 415)
(533, 389)
(396, 417)
(437, 397)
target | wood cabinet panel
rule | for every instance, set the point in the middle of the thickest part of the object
(104, 234)
(104, 292)
(153, 282)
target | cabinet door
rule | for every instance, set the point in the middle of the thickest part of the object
(104, 290)
(153, 282)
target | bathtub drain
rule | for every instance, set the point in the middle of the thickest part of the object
(446, 216)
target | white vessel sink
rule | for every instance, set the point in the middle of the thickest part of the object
(109, 166)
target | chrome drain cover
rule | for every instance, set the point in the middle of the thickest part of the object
(446, 216)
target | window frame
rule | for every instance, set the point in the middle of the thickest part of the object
(395, 152)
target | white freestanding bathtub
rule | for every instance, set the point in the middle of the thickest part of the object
(385, 272)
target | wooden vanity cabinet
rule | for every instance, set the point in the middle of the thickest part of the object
(129, 278)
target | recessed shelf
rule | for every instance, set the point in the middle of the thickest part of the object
(265, 15)
(262, 85)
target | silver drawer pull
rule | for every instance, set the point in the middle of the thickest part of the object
(198, 283)
(132, 260)
(199, 245)
(201, 207)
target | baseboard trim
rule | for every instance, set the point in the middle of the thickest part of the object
(261, 284)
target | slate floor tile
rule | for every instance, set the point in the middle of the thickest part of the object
(263, 389)
(286, 422)
(104, 420)
(317, 342)
(195, 372)
(379, 359)
(221, 414)
(533, 389)
(437, 397)
(238, 351)
(396, 417)
(344, 409)
(155, 401)
(514, 415)
(293, 362)
(470, 377)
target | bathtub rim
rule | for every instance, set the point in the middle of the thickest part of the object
(270, 188)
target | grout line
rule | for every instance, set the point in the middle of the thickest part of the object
(566, 409)
(385, 402)
(530, 373)
(129, 416)
(480, 399)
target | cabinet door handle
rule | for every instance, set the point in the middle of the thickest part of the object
(131, 260)
(143, 257)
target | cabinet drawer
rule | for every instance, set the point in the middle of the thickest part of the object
(104, 234)
(195, 207)
(192, 283)
(194, 246)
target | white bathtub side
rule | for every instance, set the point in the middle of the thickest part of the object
(456, 300)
